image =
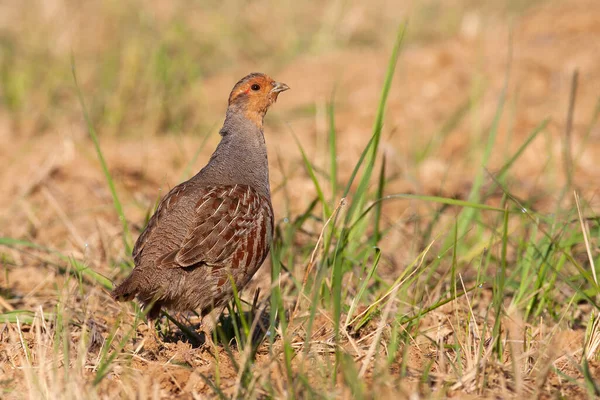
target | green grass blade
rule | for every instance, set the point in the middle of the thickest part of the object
(24, 316)
(241, 336)
(313, 177)
(500, 174)
(359, 196)
(363, 287)
(79, 267)
(92, 132)
(434, 199)
(377, 235)
(332, 149)
(467, 216)
(499, 285)
(106, 363)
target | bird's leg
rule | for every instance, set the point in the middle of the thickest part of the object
(209, 322)
(152, 329)
(151, 337)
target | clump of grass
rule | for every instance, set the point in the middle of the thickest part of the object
(478, 309)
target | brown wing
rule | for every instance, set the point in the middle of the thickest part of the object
(165, 205)
(229, 225)
(232, 227)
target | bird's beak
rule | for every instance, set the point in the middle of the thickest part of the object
(279, 87)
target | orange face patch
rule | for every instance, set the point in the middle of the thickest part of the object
(255, 95)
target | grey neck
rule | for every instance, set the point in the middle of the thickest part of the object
(240, 157)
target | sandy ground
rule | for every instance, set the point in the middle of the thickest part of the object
(54, 193)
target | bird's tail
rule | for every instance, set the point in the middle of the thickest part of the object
(127, 290)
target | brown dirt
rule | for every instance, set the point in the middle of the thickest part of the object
(55, 194)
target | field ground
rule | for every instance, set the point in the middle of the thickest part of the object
(477, 282)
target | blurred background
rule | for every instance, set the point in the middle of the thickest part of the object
(155, 77)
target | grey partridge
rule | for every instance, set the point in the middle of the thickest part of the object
(215, 228)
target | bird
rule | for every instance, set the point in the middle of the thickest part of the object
(214, 230)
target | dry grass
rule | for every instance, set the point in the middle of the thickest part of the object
(499, 305)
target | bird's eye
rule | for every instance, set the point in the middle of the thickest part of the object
(255, 87)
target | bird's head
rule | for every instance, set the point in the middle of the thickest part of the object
(254, 94)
